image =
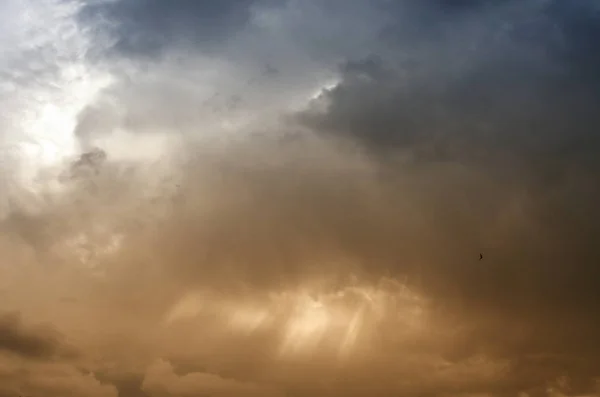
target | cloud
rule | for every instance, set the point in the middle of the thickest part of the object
(43, 82)
(29, 343)
(501, 90)
(240, 207)
(244, 235)
(161, 380)
(497, 76)
(37, 360)
(49, 379)
(148, 27)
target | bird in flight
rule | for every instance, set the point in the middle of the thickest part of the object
(480, 256)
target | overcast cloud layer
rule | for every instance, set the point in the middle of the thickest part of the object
(289, 198)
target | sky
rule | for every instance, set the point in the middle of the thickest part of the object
(290, 198)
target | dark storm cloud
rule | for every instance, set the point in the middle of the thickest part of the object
(510, 89)
(509, 77)
(29, 342)
(148, 27)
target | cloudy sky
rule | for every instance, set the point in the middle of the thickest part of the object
(289, 198)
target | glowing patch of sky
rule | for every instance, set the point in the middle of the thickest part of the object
(45, 83)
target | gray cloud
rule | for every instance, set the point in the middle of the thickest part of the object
(149, 27)
(511, 98)
(510, 75)
(30, 342)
